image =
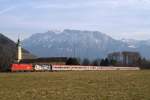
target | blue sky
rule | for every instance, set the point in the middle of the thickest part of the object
(117, 18)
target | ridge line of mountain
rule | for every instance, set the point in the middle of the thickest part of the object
(83, 44)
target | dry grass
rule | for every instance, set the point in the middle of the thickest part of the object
(76, 85)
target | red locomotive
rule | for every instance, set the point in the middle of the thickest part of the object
(21, 67)
(30, 67)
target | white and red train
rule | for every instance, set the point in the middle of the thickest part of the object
(46, 67)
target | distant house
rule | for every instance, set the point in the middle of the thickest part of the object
(125, 58)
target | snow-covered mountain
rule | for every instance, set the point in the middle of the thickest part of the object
(130, 42)
(143, 46)
(91, 44)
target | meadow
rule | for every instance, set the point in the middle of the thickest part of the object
(76, 85)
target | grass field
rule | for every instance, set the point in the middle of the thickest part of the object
(76, 85)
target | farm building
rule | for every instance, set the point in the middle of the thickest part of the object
(125, 58)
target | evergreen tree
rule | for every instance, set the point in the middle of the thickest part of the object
(102, 62)
(95, 63)
(106, 62)
(86, 62)
(72, 61)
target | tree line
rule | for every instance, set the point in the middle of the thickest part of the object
(87, 62)
(142, 62)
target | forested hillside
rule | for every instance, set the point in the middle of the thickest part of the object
(8, 52)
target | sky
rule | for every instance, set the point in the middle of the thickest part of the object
(129, 19)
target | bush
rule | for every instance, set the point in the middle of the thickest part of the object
(113, 62)
(144, 64)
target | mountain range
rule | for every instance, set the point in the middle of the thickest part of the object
(82, 44)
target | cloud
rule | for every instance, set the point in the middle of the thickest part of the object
(7, 10)
(66, 5)
(109, 16)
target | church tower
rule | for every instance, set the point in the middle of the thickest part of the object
(19, 51)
